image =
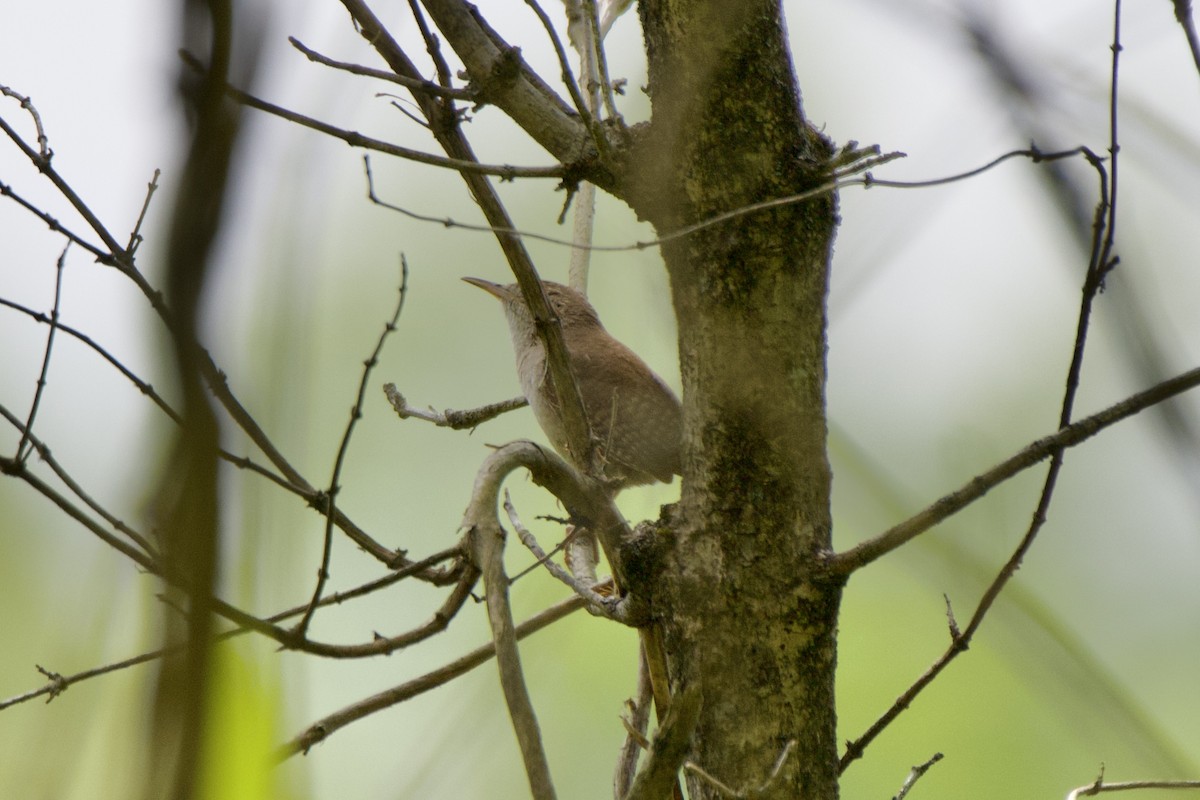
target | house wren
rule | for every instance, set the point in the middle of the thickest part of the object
(634, 417)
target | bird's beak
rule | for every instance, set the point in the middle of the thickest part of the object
(494, 289)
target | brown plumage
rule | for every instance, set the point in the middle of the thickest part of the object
(634, 417)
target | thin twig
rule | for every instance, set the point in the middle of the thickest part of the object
(241, 462)
(123, 261)
(135, 236)
(356, 139)
(429, 87)
(915, 775)
(1033, 154)
(839, 182)
(53, 224)
(41, 158)
(540, 561)
(432, 46)
(344, 447)
(581, 105)
(18, 467)
(582, 196)
(142, 386)
(609, 607)
(456, 420)
(44, 151)
(23, 449)
(596, 43)
(1098, 786)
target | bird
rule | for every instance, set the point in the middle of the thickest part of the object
(635, 419)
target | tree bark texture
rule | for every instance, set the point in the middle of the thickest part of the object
(749, 613)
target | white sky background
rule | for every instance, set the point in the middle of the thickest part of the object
(934, 384)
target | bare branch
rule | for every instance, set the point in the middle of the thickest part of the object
(1099, 786)
(214, 378)
(41, 158)
(596, 44)
(839, 182)
(355, 415)
(219, 386)
(456, 420)
(1099, 264)
(420, 85)
(610, 607)
(506, 81)
(1033, 154)
(142, 386)
(22, 451)
(147, 559)
(356, 139)
(53, 224)
(323, 728)
(862, 554)
(60, 683)
(432, 46)
(17, 468)
(582, 106)
(915, 775)
(135, 236)
(43, 150)
(294, 483)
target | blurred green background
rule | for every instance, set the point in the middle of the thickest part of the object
(952, 314)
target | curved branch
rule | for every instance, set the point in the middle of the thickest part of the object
(486, 539)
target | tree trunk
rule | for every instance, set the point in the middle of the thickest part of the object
(749, 613)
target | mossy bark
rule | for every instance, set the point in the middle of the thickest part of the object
(749, 613)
